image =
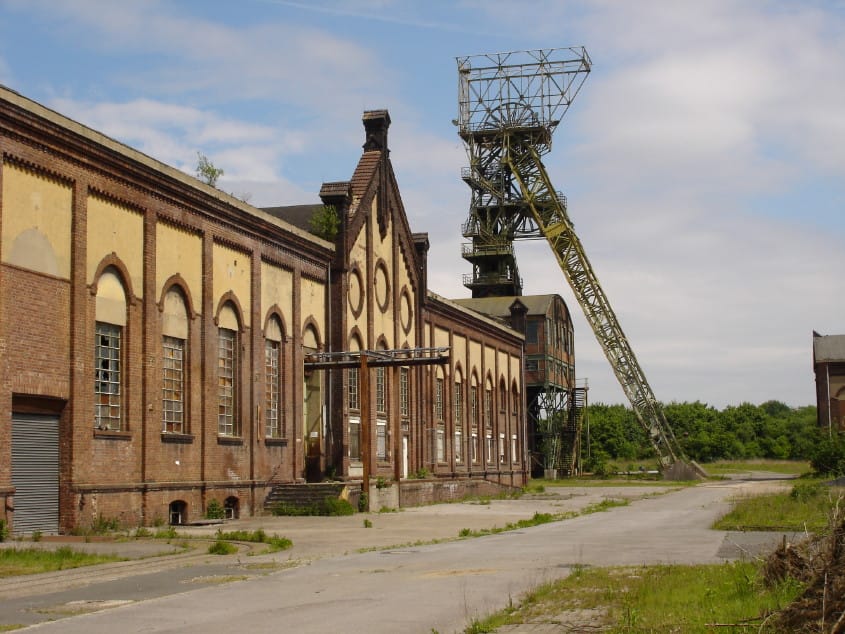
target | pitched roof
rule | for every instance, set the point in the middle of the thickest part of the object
(829, 347)
(297, 215)
(363, 176)
(500, 306)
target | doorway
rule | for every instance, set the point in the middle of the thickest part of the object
(35, 472)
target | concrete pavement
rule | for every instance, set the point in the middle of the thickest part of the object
(415, 588)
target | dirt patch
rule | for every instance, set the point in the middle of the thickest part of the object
(820, 563)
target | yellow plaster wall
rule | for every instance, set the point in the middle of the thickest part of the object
(37, 216)
(231, 270)
(459, 353)
(179, 251)
(113, 228)
(441, 339)
(516, 374)
(490, 363)
(475, 359)
(504, 367)
(313, 298)
(276, 289)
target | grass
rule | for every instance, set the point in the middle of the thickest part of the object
(275, 543)
(728, 467)
(616, 481)
(805, 507)
(28, 561)
(667, 598)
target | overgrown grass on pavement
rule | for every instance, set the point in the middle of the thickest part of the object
(664, 598)
(274, 542)
(28, 561)
(728, 467)
(805, 507)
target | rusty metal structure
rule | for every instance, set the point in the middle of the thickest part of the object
(509, 107)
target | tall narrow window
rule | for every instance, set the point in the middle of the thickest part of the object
(107, 390)
(272, 389)
(109, 370)
(353, 398)
(173, 385)
(274, 423)
(459, 404)
(438, 399)
(459, 445)
(226, 383)
(488, 407)
(473, 406)
(404, 393)
(381, 440)
(381, 397)
(174, 369)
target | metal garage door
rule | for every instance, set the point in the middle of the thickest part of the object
(35, 472)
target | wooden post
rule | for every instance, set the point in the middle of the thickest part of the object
(364, 385)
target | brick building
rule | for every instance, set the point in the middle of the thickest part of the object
(829, 368)
(154, 330)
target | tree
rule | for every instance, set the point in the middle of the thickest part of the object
(206, 171)
(325, 223)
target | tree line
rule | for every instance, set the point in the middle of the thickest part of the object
(770, 430)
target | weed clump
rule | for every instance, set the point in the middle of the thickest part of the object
(329, 506)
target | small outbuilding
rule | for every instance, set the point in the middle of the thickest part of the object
(829, 367)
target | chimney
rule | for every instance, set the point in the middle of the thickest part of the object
(376, 123)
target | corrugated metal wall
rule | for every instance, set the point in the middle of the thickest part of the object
(35, 473)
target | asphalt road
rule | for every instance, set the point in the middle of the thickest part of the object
(439, 587)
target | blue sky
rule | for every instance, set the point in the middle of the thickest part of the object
(703, 159)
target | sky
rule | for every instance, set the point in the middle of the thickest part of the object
(703, 158)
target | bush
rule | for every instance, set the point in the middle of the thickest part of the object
(829, 457)
(221, 547)
(806, 491)
(215, 511)
(328, 507)
(4, 531)
(363, 502)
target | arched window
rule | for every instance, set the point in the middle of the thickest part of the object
(458, 407)
(353, 402)
(174, 350)
(273, 418)
(109, 339)
(228, 366)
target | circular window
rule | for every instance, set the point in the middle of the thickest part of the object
(355, 294)
(405, 310)
(381, 287)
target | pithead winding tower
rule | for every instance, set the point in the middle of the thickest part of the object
(509, 107)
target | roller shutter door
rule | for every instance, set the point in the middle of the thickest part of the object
(35, 473)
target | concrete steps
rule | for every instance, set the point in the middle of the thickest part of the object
(304, 495)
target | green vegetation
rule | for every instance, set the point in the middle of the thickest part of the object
(325, 223)
(274, 542)
(27, 561)
(728, 467)
(805, 508)
(214, 510)
(329, 506)
(829, 456)
(206, 171)
(685, 599)
(4, 531)
(772, 430)
(367, 523)
(221, 547)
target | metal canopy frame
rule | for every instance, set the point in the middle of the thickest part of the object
(363, 360)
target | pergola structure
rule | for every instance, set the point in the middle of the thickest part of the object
(363, 360)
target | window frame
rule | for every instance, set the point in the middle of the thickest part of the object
(273, 411)
(227, 393)
(105, 376)
(171, 385)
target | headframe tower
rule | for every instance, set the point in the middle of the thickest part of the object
(509, 107)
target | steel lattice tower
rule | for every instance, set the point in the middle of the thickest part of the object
(509, 107)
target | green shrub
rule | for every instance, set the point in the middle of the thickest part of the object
(363, 502)
(829, 457)
(4, 531)
(367, 523)
(221, 547)
(806, 491)
(214, 510)
(328, 507)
